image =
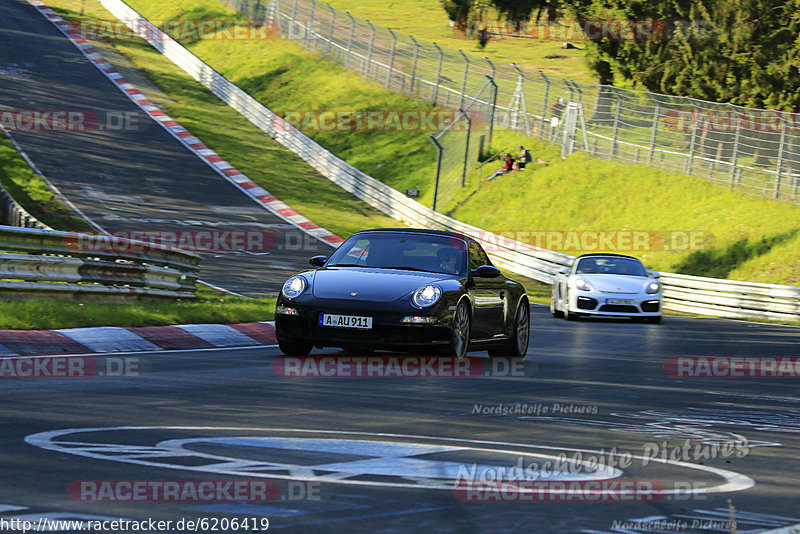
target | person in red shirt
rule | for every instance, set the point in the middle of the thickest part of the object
(507, 167)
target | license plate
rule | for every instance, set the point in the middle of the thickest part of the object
(345, 321)
(624, 302)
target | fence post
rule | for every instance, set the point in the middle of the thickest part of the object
(654, 133)
(438, 169)
(414, 64)
(391, 59)
(350, 41)
(274, 10)
(494, 108)
(522, 104)
(438, 75)
(310, 27)
(616, 124)
(735, 155)
(692, 142)
(368, 63)
(545, 101)
(780, 162)
(574, 85)
(466, 150)
(332, 28)
(464, 80)
(293, 25)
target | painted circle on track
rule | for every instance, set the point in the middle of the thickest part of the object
(355, 458)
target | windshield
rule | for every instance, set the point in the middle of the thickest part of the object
(611, 265)
(438, 254)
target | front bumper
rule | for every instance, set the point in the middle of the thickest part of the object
(601, 304)
(387, 332)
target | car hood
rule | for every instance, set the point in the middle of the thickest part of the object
(616, 283)
(373, 285)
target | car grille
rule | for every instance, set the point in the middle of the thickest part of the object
(586, 303)
(619, 308)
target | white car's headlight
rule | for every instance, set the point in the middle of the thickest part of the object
(294, 287)
(653, 287)
(582, 284)
(426, 296)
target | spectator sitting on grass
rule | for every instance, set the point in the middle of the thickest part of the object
(508, 167)
(524, 157)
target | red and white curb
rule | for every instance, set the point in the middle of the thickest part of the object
(109, 339)
(214, 160)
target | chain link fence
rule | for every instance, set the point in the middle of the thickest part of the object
(745, 149)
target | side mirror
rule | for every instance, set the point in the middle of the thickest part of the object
(318, 261)
(654, 274)
(486, 271)
(564, 271)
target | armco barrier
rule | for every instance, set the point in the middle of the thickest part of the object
(13, 214)
(523, 259)
(730, 298)
(49, 263)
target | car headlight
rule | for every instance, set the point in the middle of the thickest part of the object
(653, 287)
(582, 284)
(426, 296)
(294, 287)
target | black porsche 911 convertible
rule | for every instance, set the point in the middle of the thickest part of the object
(404, 290)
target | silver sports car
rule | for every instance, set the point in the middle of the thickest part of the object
(607, 285)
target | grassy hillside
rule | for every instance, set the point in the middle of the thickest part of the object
(743, 237)
(425, 19)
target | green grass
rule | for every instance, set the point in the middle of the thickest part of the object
(425, 19)
(209, 307)
(745, 237)
(32, 193)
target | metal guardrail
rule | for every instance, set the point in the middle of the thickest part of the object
(37, 262)
(521, 258)
(730, 298)
(13, 214)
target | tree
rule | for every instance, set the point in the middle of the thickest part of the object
(746, 52)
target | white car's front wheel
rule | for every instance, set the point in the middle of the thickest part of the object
(553, 310)
(568, 315)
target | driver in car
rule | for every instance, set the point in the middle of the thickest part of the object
(448, 260)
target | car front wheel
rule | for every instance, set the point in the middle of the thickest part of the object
(556, 313)
(568, 315)
(460, 332)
